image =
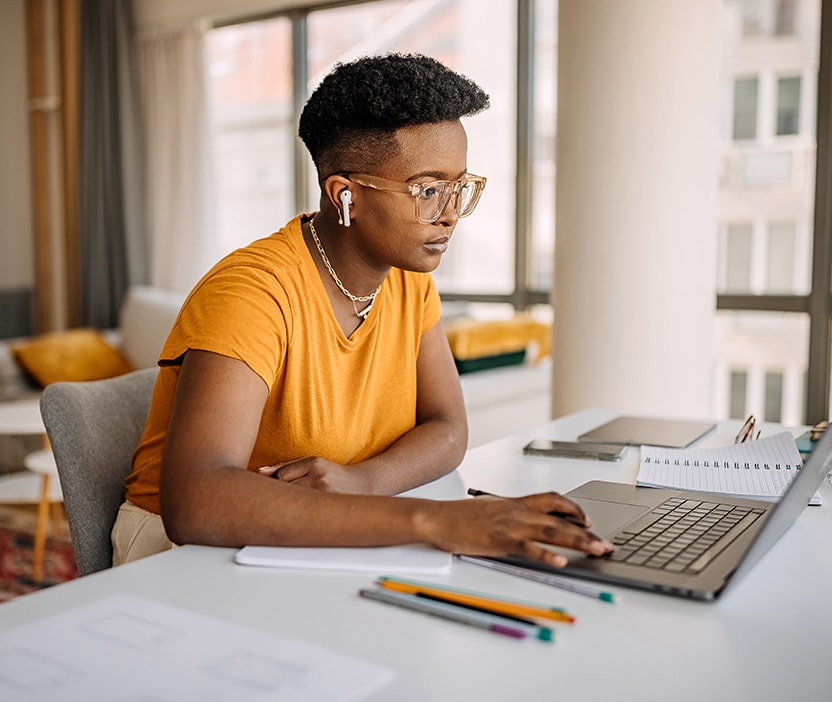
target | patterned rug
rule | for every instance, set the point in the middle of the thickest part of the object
(17, 536)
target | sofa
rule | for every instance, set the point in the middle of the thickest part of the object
(145, 318)
(505, 374)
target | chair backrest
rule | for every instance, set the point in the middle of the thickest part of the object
(93, 428)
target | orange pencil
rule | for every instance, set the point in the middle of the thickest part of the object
(515, 608)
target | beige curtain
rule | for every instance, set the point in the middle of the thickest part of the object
(180, 176)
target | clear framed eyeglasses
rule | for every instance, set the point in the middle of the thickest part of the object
(746, 432)
(431, 198)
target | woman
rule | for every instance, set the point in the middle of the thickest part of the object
(308, 378)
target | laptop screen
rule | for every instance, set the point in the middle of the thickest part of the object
(793, 502)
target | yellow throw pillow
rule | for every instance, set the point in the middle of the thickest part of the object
(77, 354)
(471, 338)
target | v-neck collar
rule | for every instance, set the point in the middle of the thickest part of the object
(367, 325)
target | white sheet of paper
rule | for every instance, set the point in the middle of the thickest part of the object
(125, 648)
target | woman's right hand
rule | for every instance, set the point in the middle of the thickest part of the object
(518, 526)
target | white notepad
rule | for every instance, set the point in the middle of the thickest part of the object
(414, 558)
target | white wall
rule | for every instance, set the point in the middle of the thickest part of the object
(16, 255)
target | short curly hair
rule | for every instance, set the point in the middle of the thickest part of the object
(349, 122)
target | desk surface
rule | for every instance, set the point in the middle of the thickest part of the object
(768, 638)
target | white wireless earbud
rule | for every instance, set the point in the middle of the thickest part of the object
(346, 199)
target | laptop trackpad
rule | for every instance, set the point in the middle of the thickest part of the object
(611, 506)
(608, 517)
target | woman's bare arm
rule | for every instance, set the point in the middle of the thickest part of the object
(208, 497)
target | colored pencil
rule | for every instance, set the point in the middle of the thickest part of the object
(494, 624)
(492, 603)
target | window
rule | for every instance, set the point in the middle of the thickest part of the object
(751, 17)
(745, 108)
(763, 18)
(543, 147)
(739, 383)
(764, 356)
(738, 258)
(481, 256)
(788, 106)
(784, 18)
(766, 269)
(774, 397)
(261, 72)
(781, 258)
(251, 88)
(256, 100)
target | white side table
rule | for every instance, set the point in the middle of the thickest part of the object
(43, 463)
(22, 417)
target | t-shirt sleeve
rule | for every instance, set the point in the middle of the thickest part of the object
(433, 305)
(239, 312)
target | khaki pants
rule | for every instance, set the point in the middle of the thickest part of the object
(137, 533)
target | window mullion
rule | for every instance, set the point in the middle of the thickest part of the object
(525, 138)
(820, 300)
(300, 77)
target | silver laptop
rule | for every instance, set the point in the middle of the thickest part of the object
(683, 543)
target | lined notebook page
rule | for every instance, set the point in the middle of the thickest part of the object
(761, 469)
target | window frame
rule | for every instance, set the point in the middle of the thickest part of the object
(817, 304)
(523, 296)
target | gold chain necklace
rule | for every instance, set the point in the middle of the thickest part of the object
(371, 298)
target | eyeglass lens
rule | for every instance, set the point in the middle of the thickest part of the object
(434, 198)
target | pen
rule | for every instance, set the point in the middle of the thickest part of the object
(447, 611)
(562, 515)
(502, 606)
(545, 578)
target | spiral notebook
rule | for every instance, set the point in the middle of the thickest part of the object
(761, 469)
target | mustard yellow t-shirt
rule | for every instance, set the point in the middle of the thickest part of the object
(345, 399)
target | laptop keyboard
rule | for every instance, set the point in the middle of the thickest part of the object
(682, 536)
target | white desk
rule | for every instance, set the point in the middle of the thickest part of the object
(768, 638)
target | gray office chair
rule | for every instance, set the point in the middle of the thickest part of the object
(94, 427)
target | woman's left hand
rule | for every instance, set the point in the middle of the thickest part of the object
(319, 474)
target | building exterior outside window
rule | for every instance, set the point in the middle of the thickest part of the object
(766, 206)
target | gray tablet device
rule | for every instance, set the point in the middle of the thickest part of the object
(669, 433)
